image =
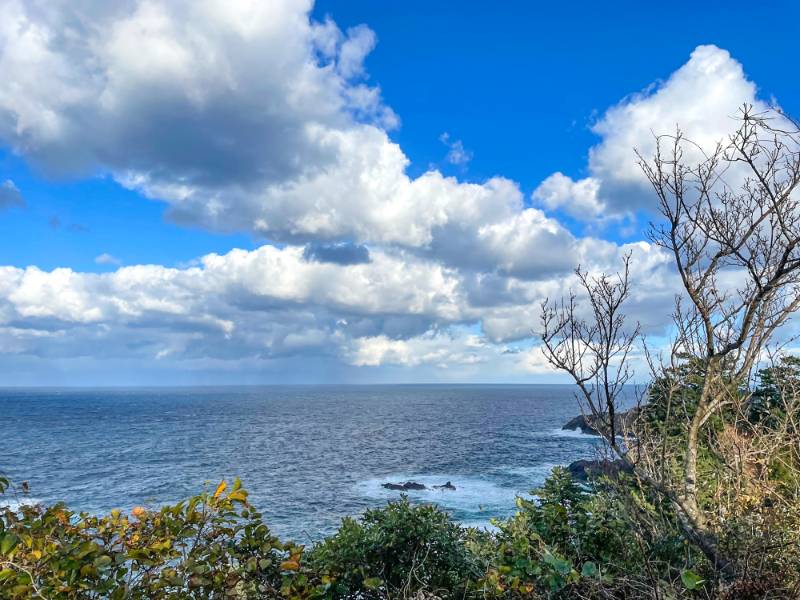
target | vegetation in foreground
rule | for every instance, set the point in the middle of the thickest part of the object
(707, 504)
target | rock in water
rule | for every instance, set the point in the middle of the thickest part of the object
(586, 423)
(580, 422)
(446, 486)
(404, 487)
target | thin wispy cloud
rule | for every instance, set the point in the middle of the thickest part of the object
(10, 196)
(107, 259)
(456, 154)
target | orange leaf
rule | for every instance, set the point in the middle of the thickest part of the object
(290, 565)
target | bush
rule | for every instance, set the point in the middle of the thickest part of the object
(398, 550)
(210, 546)
(555, 542)
(607, 539)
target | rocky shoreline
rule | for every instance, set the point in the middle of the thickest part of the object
(587, 423)
(581, 470)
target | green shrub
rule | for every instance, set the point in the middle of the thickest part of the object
(539, 549)
(611, 538)
(397, 550)
(210, 546)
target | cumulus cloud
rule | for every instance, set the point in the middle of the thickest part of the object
(342, 253)
(178, 94)
(252, 117)
(10, 195)
(441, 350)
(241, 116)
(397, 309)
(579, 199)
(702, 98)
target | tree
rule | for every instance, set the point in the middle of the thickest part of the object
(594, 350)
(731, 223)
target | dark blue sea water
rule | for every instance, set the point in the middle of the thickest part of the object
(308, 455)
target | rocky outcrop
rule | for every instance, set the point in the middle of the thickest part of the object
(586, 423)
(581, 422)
(446, 486)
(405, 486)
(413, 485)
(584, 470)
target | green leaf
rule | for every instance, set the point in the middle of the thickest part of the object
(372, 583)
(7, 543)
(589, 569)
(691, 580)
(561, 565)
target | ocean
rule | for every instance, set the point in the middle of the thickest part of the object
(308, 455)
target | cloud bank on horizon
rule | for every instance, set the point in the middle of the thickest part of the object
(252, 117)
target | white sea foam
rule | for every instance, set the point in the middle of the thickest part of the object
(472, 495)
(576, 434)
(16, 504)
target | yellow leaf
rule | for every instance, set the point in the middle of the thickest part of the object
(290, 565)
(237, 496)
(220, 488)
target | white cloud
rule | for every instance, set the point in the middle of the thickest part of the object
(456, 153)
(702, 97)
(396, 309)
(433, 348)
(579, 199)
(242, 116)
(107, 259)
(249, 116)
(192, 97)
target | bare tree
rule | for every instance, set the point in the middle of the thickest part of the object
(594, 350)
(731, 222)
(750, 233)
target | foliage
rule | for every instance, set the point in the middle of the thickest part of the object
(396, 550)
(610, 538)
(213, 545)
(584, 541)
(777, 383)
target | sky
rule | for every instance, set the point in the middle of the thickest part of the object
(239, 191)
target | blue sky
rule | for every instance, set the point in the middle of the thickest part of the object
(156, 137)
